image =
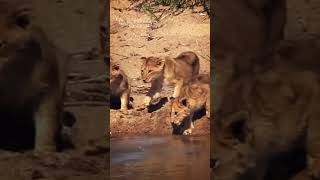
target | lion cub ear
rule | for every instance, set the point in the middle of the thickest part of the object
(236, 127)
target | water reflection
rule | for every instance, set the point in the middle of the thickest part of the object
(168, 157)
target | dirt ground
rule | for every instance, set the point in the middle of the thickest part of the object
(135, 34)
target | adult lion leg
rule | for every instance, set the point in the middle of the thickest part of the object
(47, 119)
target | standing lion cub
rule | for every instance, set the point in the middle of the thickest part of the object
(194, 96)
(119, 86)
(32, 83)
(177, 71)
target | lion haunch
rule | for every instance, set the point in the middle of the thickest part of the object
(32, 82)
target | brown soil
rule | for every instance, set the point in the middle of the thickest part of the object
(134, 35)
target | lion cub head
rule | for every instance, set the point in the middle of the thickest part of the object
(151, 68)
(14, 27)
(179, 109)
(115, 71)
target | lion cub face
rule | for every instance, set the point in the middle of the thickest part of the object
(232, 152)
(14, 28)
(151, 68)
(179, 109)
(114, 71)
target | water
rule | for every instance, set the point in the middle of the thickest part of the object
(160, 158)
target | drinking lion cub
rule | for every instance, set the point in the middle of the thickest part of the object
(178, 71)
(194, 96)
(119, 86)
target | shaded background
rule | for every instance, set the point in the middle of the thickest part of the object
(74, 26)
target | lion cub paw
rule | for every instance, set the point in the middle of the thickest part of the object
(146, 101)
(187, 132)
(124, 111)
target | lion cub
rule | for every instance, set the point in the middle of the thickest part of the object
(119, 86)
(178, 71)
(194, 96)
(32, 82)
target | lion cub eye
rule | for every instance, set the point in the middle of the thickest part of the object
(149, 71)
(22, 21)
(116, 68)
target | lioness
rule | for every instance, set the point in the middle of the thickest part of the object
(32, 82)
(194, 96)
(262, 115)
(179, 71)
(119, 86)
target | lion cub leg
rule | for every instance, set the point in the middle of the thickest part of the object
(124, 102)
(154, 91)
(313, 146)
(208, 108)
(190, 126)
(177, 89)
(46, 124)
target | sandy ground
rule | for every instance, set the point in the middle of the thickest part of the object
(134, 35)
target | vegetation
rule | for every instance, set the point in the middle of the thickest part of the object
(151, 7)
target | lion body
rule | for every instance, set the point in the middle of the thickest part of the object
(177, 71)
(194, 96)
(263, 115)
(32, 82)
(119, 86)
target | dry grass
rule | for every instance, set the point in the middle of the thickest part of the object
(153, 7)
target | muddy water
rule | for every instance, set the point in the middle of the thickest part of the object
(155, 158)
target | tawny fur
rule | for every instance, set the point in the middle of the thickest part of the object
(32, 76)
(194, 96)
(177, 71)
(120, 86)
(263, 114)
